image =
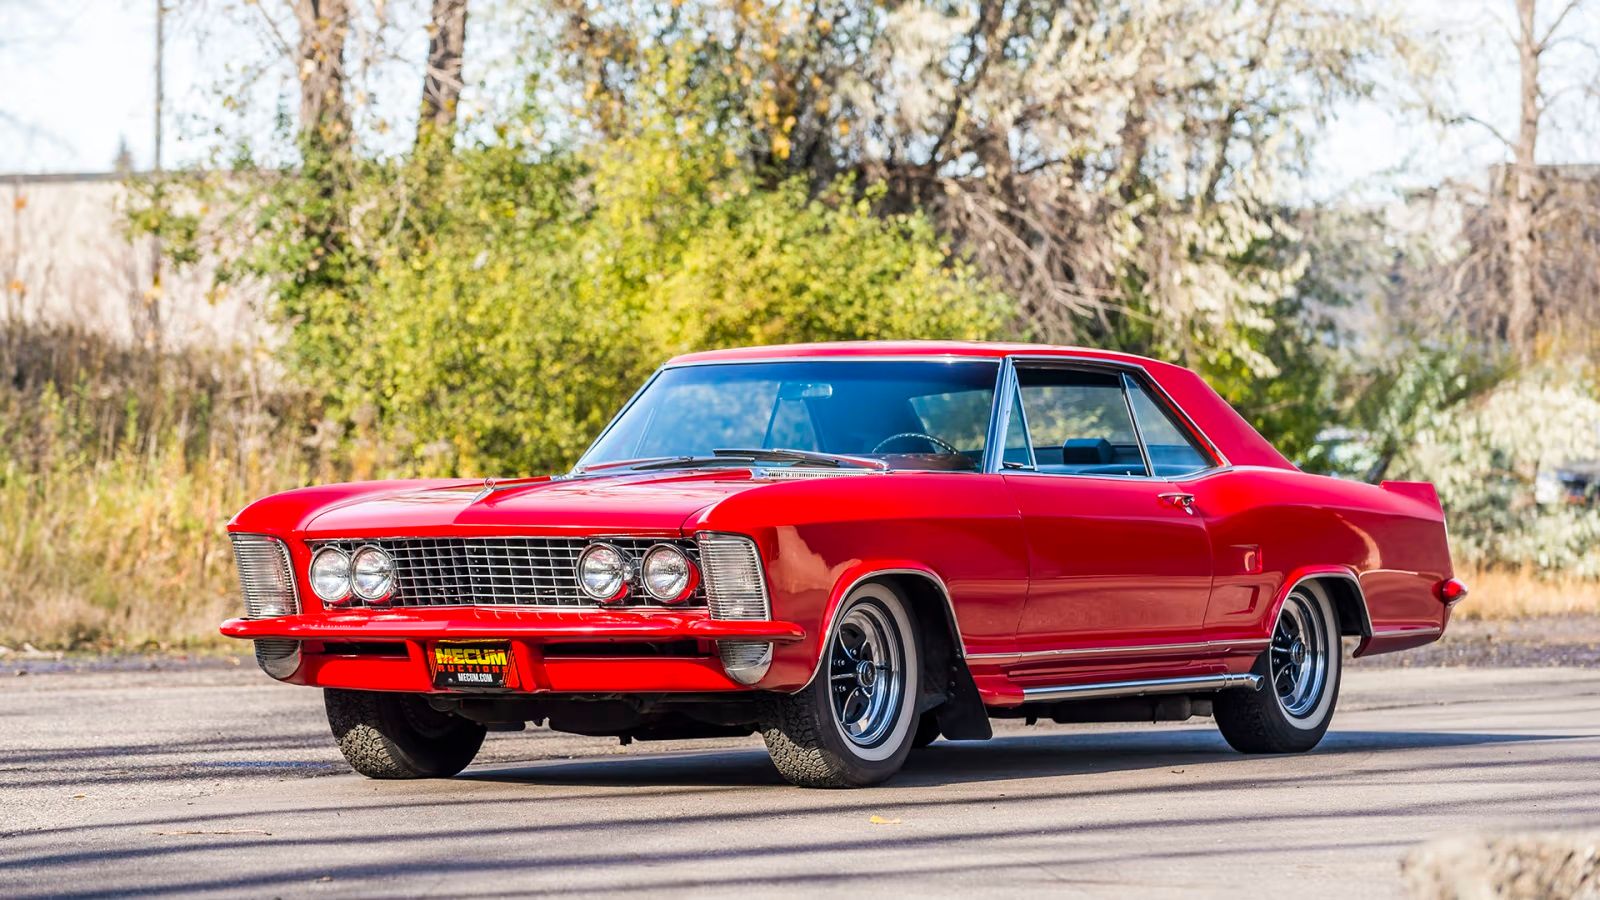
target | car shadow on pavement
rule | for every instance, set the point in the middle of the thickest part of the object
(1001, 759)
(421, 824)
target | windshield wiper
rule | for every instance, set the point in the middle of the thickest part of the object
(689, 462)
(725, 457)
(623, 464)
(805, 457)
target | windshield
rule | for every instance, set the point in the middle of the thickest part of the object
(912, 414)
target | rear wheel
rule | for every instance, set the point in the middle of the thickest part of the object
(854, 724)
(1299, 671)
(387, 735)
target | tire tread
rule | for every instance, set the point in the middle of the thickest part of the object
(374, 739)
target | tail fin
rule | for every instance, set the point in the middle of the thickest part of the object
(1417, 490)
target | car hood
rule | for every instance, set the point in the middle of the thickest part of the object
(643, 503)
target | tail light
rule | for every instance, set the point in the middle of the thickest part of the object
(1449, 591)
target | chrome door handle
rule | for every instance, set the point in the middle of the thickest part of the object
(1184, 502)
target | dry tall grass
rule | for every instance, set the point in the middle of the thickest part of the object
(1515, 594)
(118, 470)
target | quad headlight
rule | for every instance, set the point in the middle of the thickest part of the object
(372, 574)
(604, 572)
(665, 573)
(668, 574)
(330, 576)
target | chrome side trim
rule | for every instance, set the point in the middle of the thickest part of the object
(1187, 684)
(1070, 652)
(944, 592)
(1430, 630)
(994, 450)
(1128, 385)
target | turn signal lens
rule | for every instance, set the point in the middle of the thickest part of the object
(330, 576)
(603, 572)
(669, 575)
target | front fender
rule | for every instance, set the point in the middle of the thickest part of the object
(801, 661)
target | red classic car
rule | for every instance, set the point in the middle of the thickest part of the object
(852, 549)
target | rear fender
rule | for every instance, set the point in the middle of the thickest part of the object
(1350, 602)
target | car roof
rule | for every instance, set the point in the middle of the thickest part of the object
(973, 349)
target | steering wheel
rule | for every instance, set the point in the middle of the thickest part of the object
(946, 446)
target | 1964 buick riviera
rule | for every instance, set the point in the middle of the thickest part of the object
(851, 549)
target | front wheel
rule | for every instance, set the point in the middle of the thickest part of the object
(854, 724)
(1300, 681)
(387, 735)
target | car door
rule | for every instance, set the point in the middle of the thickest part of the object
(1118, 554)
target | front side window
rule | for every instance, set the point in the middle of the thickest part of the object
(911, 414)
(1079, 422)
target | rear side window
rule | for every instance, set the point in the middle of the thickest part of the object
(1079, 423)
(1172, 451)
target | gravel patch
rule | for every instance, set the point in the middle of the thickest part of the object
(1542, 642)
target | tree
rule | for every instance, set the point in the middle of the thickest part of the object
(554, 282)
(324, 111)
(1120, 168)
(1528, 277)
(441, 84)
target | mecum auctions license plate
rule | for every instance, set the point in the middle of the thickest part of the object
(475, 665)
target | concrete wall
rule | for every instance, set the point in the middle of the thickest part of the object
(65, 257)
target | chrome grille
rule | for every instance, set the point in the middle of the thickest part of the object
(499, 571)
(735, 587)
(265, 579)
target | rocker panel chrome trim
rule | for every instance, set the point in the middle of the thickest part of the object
(1187, 684)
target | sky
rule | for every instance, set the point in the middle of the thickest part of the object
(79, 76)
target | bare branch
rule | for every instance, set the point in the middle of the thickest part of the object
(1543, 43)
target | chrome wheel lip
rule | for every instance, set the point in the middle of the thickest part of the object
(867, 675)
(1298, 656)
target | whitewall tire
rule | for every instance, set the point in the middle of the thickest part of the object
(855, 723)
(1300, 671)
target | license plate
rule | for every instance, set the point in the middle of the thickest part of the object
(471, 665)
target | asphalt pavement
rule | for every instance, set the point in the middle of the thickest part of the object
(208, 780)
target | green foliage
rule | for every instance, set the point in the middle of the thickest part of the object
(1486, 461)
(1421, 388)
(549, 288)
